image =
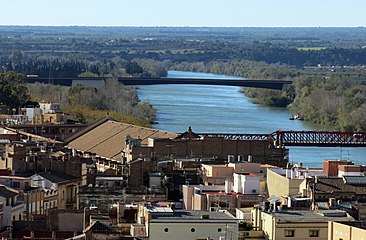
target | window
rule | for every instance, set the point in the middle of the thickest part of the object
(166, 229)
(219, 230)
(16, 184)
(289, 233)
(193, 229)
(313, 233)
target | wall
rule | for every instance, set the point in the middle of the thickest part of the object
(249, 167)
(301, 230)
(250, 184)
(34, 201)
(14, 158)
(244, 214)
(218, 170)
(280, 185)
(66, 220)
(216, 174)
(338, 230)
(203, 230)
(199, 202)
(6, 220)
(331, 166)
(188, 192)
(275, 230)
(67, 195)
(50, 199)
(211, 147)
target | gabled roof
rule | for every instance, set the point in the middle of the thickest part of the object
(107, 137)
(98, 227)
(337, 184)
(87, 129)
(7, 192)
(29, 135)
(56, 177)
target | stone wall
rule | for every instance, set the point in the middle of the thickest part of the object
(212, 147)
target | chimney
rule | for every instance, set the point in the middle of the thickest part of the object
(332, 202)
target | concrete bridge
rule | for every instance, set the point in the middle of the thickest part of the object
(268, 84)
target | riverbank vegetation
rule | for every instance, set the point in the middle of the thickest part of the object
(86, 104)
(339, 101)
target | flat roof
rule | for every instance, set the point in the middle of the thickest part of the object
(158, 209)
(110, 178)
(15, 177)
(304, 215)
(358, 224)
(193, 216)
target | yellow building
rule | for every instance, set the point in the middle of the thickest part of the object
(299, 225)
(347, 230)
(54, 117)
(65, 185)
(217, 174)
(287, 182)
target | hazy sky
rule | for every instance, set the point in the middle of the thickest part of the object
(238, 13)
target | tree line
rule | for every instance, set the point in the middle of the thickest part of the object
(83, 104)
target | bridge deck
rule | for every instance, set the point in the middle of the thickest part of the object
(270, 84)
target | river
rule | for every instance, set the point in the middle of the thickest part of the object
(224, 109)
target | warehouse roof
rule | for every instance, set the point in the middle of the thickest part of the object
(106, 138)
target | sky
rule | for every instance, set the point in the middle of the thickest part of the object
(210, 13)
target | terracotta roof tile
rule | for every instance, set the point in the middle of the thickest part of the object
(336, 184)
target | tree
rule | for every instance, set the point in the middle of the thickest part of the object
(13, 91)
(133, 68)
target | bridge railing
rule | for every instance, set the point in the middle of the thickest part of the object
(233, 136)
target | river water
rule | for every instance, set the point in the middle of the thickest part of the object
(224, 109)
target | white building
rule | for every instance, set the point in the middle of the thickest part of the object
(164, 223)
(13, 210)
(49, 107)
(246, 183)
(31, 112)
(351, 170)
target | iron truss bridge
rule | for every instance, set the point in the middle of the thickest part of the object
(320, 138)
(301, 138)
